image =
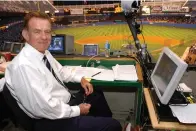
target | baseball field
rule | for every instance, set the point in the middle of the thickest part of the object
(156, 37)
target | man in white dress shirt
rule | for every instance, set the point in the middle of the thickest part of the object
(40, 91)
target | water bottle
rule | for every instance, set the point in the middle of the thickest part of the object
(107, 49)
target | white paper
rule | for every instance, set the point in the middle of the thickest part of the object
(72, 67)
(125, 72)
(105, 75)
(88, 72)
(185, 114)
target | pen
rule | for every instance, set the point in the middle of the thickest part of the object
(96, 74)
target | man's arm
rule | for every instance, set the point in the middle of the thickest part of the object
(67, 74)
(34, 93)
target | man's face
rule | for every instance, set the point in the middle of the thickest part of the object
(38, 34)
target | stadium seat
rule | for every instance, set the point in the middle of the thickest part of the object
(20, 116)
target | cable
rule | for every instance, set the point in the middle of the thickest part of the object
(141, 23)
(148, 55)
(94, 56)
(142, 29)
(192, 95)
(135, 58)
(143, 38)
(91, 59)
(129, 37)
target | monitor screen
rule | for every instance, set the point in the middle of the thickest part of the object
(57, 44)
(167, 74)
(16, 48)
(164, 73)
(7, 46)
(90, 50)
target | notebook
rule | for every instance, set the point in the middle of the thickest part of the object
(185, 114)
(125, 72)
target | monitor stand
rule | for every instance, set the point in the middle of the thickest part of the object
(163, 112)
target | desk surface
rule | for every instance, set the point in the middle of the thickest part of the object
(163, 124)
(138, 68)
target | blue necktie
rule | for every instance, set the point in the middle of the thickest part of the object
(51, 70)
(53, 73)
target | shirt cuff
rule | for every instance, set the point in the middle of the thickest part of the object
(2, 83)
(75, 111)
(78, 78)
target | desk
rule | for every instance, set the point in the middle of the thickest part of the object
(114, 86)
(163, 124)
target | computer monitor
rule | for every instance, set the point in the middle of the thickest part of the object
(6, 47)
(16, 47)
(90, 49)
(167, 74)
(57, 45)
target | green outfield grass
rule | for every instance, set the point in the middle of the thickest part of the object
(187, 35)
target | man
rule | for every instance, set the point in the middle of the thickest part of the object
(34, 79)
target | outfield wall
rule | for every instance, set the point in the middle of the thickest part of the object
(173, 25)
(147, 23)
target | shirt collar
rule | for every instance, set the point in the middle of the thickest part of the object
(36, 53)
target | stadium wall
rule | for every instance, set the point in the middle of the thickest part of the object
(173, 25)
(147, 23)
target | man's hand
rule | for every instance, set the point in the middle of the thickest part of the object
(88, 88)
(84, 108)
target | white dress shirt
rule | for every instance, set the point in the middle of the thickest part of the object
(36, 90)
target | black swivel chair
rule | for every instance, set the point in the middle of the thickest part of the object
(20, 116)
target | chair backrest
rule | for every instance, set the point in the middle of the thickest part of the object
(20, 116)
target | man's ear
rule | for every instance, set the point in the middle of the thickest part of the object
(25, 34)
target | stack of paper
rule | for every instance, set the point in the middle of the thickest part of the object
(105, 75)
(72, 67)
(185, 114)
(125, 72)
(88, 72)
(118, 72)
